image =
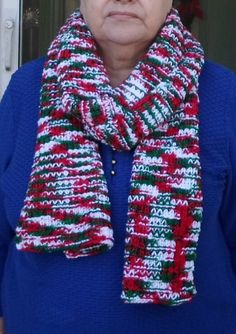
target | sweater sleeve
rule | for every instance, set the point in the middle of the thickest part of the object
(6, 149)
(228, 217)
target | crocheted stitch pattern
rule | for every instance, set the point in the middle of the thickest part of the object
(154, 112)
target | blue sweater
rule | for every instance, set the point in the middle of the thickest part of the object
(49, 294)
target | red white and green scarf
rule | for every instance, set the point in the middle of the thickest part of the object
(155, 112)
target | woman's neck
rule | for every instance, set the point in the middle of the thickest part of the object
(120, 60)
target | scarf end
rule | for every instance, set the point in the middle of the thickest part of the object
(136, 291)
(80, 245)
(169, 298)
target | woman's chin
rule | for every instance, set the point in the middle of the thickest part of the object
(123, 37)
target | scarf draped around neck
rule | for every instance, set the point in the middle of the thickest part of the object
(153, 112)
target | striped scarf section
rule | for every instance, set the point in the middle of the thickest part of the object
(155, 112)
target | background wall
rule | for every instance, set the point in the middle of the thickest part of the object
(217, 31)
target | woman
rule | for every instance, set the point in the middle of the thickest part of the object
(113, 196)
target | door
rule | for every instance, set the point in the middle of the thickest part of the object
(27, 28)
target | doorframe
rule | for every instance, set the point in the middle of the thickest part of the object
(9, 10)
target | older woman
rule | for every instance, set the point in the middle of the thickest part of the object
(117, 209)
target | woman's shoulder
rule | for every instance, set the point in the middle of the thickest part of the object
(217, 85)
(217, 77)
(217, 93)
(25, 83)
(32, 66)
(29, 72)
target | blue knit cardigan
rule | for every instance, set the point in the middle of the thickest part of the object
(49, 294)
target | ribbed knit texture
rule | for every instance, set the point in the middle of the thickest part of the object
(155, 111)
(46, 293)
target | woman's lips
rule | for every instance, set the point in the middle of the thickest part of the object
(122, 15)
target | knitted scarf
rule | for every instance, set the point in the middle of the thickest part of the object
(155, 112)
